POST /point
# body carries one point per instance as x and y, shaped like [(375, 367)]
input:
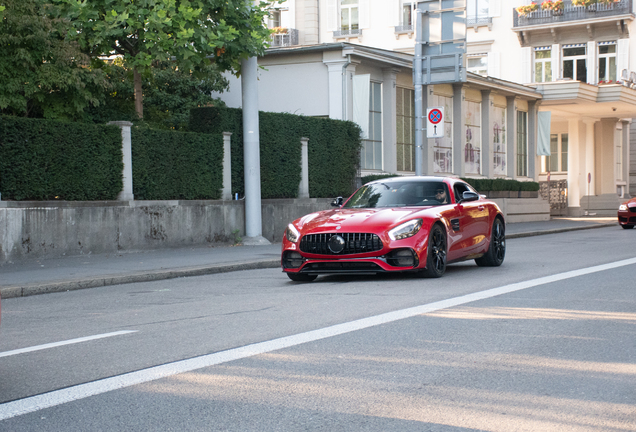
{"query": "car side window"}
[(459, 190)]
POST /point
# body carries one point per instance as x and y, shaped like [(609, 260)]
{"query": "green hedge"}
[(46, 160), (176, 165), (334, 148), (487, 185)]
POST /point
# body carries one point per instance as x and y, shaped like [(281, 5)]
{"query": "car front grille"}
[(354, 243), (632, 209), (341, 267)]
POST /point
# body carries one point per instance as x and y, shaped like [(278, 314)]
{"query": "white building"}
[(352, 59)]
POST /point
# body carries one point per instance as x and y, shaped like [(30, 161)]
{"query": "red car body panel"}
[(468, 227), (627, 217)]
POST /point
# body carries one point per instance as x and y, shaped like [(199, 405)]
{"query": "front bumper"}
[(626, 217), (393, 260)]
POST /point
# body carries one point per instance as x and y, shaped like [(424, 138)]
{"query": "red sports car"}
[(627, 214), (400, 224)]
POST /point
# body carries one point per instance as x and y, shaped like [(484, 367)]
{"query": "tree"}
[(42, 75), (192, 33), (170, 94)]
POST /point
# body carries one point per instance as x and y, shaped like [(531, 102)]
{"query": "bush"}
[(373, 177), (46, 160), (499, 184), (170, 165), (334, 148)]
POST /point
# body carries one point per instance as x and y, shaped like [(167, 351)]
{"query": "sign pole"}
[(417, 84)]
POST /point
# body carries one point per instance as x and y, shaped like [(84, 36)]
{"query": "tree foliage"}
[(41, 74), (189, 32), (170, 94)]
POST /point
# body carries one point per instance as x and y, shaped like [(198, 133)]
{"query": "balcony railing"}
[(572, 13), (347, 33), (290, 38)]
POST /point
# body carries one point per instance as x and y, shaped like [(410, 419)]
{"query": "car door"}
[(467, 223)]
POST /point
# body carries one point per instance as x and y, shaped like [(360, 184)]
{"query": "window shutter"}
[(394, 13), (622, 58), (363, 10), (332, 15), (526, 65), (494, 69), (361, 90), (494, 8)]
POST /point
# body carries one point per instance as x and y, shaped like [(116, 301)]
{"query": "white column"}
[(127, 193), (588, 155), (226, 191), (556, 61), (303, 187), (575, 139), (591, 62), (389, 121)]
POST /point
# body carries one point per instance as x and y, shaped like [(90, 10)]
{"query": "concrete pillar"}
[(486, 134), (576, 136), (532, 139), (458, 130), (303, 187), (226, 191), (127, 193), (591, 62), (389, 121), (626, 157), (588, 155), (511, 136)]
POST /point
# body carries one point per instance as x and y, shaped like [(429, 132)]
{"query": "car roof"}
[(417, 179)]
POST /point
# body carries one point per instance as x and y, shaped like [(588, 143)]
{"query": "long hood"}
[(360, 220)]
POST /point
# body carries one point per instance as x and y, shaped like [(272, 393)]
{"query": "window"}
[(477, 12), (472, 150), (542, 64), (499, 140), (477, 63), (405, 118), (574, 62), (558, 160), (407, 14), (443, 147), (348, 15), (607, 61), (372, 146), (522, 144), (274, 18)]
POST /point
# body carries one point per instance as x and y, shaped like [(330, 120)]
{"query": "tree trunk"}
[(139, 96)]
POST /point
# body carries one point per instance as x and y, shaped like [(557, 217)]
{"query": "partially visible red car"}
[(627, 214), (400, 224)]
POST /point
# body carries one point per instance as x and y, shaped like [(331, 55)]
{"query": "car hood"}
[(360, 220), (630, 203)]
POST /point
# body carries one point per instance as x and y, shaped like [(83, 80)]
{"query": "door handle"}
[(481, 208)]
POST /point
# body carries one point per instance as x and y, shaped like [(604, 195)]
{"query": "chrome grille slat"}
[(355, 243)]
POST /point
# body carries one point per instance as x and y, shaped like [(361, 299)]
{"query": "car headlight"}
[(292, 233), (623, 207), (406, 230)]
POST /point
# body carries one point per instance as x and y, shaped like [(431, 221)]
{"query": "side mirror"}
[(469, 196), (337, 202)]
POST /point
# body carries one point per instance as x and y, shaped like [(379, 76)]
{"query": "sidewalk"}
[(30, 277)]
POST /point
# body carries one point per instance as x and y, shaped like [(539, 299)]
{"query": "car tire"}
[(496, 252), (436, 253), (627, 226), (301, 277)]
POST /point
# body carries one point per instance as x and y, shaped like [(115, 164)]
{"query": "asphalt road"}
[(547, 342)]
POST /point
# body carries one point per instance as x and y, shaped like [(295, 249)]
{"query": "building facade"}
[(541, 101)]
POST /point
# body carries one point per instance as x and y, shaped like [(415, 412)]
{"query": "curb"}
[(559, 230), (13, 291)]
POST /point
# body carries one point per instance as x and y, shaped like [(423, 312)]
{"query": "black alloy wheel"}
[(496, 252), (436, 256)]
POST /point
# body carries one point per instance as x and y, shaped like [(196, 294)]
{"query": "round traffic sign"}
[(435, 116)]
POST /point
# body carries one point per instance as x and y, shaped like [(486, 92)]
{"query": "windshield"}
[(400, 194)]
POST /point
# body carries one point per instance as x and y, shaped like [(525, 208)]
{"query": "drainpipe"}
[(344, 87)]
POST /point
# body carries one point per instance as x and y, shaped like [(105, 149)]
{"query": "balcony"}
[(571, 13), (347, 33), (407, 29), (284, 39)]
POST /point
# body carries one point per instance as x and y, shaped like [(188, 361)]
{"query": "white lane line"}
[(58, 397), (66, 342)]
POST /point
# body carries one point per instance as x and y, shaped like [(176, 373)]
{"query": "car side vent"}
[(354, 243)]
